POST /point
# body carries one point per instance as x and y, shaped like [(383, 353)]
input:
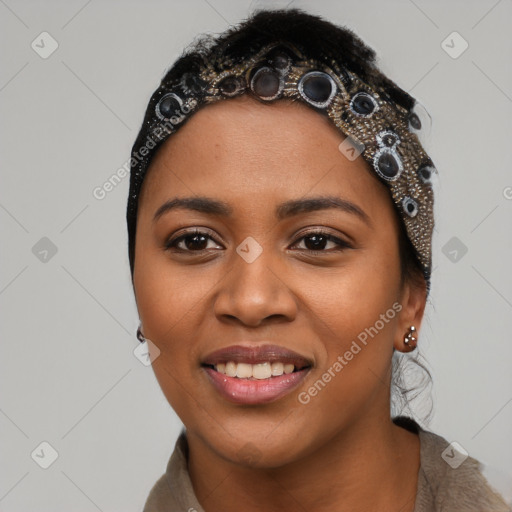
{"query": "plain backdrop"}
[(68, 373)]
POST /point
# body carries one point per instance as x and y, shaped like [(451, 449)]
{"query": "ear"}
[(413, 301)]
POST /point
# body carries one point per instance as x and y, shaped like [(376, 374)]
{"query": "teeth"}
[(243, 370), (277, 369), (288, 368), (230, 369), (256, 371), (261, 371)]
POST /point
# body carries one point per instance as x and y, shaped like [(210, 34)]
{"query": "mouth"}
[(255, 375), (259, 371)]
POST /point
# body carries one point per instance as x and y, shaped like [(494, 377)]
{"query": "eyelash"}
[(170, 244)]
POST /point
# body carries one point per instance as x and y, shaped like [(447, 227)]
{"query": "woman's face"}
[(252, 278)]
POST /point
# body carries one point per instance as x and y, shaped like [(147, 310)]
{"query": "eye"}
[(197, 241), (316, 241), (192, 241)]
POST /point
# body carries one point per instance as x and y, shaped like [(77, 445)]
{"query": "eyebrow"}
[(283, 211)]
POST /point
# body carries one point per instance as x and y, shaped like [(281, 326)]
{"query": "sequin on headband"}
[(385, 133)]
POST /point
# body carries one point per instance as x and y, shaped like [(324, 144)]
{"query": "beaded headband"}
[(383, 132)]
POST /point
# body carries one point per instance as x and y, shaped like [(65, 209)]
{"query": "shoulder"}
[(159, 496), (173, 491), (450, 479)]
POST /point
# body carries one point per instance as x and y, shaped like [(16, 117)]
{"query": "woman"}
[(280, 249)]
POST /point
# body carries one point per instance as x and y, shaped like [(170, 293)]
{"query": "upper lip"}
[(254, 354)]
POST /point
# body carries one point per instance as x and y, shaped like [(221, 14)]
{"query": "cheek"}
[(168, 301), (172, 301), (352, 298), (355, 312), (356, 320), (354, 368)]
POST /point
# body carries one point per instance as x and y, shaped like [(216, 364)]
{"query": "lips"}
[(251, 375), (256, 355)]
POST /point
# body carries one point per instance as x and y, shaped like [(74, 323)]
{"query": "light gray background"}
[(68, 374)]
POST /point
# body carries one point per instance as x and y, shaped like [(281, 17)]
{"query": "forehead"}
[(241, 147)]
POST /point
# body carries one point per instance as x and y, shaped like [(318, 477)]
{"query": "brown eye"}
[(318, 240), (194, 241)]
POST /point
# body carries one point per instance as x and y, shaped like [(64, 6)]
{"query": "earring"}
[(140, 336), (410, 340)]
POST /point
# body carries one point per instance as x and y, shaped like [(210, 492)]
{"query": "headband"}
[(377, 126)]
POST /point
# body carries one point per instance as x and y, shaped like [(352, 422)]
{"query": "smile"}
[(255, 375)]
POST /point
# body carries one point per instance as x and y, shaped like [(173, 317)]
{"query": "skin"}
[(340, 451)]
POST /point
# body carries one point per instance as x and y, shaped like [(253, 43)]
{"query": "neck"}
[(369, 466)]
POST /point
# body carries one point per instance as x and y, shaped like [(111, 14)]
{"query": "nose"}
[(255, 293)]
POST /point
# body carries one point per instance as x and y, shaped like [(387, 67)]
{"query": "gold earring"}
[(410, 340)]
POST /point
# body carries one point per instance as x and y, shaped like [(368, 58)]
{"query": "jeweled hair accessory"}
[(384, 132)]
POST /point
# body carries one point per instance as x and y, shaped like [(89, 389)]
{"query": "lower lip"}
[(251, 392)]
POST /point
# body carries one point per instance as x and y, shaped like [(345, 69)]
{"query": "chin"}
[(255, 445), (257, 454)]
